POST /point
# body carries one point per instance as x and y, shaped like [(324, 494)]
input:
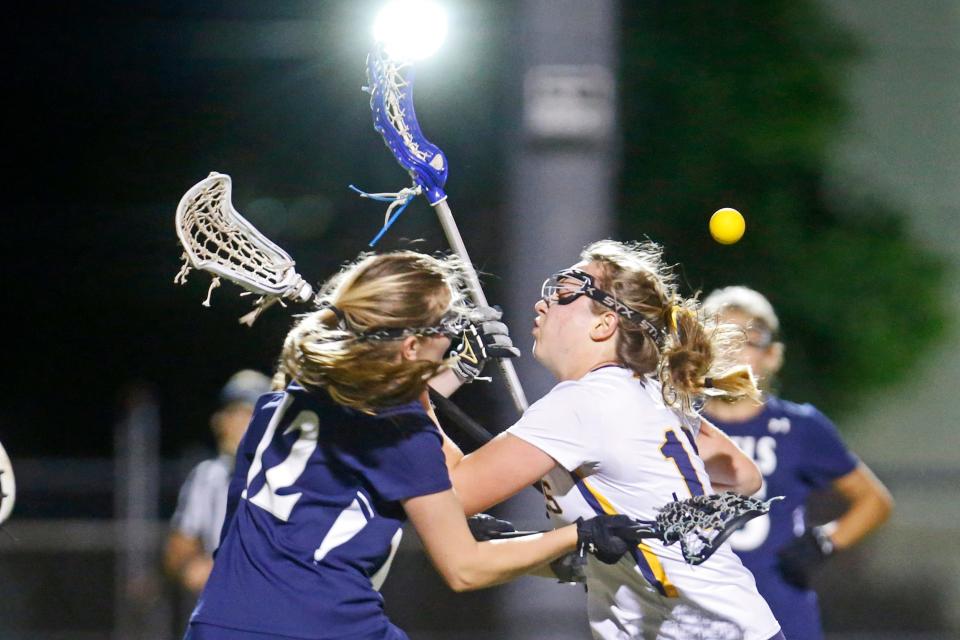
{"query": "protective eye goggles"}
[(759, 337), (564, 287)]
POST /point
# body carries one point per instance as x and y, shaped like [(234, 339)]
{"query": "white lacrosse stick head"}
[(8, 487), (217, 239)]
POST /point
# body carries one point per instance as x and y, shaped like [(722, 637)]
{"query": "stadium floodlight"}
[(410, 29)]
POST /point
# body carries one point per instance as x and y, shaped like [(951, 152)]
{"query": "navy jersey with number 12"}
[(314, 516)]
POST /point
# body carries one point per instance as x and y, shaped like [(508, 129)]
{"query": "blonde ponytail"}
[(690, 358)]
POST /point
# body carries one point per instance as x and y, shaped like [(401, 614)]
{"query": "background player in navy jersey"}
[(798, 450), (329, 469)]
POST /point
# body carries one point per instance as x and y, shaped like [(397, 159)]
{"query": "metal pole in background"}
[(563, 165), (140, 606)]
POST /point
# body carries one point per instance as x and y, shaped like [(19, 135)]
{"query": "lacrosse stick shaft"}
[(503, 535), (452, 232), (464, 430)]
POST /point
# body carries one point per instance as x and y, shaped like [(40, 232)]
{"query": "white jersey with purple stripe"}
[(314, 515), (620, 449)]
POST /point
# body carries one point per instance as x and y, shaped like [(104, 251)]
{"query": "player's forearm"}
[(480, 488), (729, 468), (445, 383), (195, 574), (186, 562), (179, 551), (500, 561), (720, 487), (863, 516), (869, 506), (498, 470), (732, 472), (543, 571)]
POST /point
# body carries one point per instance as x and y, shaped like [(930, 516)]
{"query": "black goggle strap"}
[(452, 328), (609, 301), (341, 318)]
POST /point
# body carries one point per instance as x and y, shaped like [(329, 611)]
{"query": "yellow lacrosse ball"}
[(727, 225)]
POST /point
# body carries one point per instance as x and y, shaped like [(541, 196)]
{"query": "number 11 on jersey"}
[(673, 450)]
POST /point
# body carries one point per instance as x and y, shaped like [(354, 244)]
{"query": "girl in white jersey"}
[(618, 434)]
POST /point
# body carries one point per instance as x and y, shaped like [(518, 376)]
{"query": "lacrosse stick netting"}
[(701, 523), (390, 84), (217, 239)]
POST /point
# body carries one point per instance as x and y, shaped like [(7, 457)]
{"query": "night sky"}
[(114, 110)]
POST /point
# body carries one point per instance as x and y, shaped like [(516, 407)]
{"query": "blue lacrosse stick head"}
[(394, 118)]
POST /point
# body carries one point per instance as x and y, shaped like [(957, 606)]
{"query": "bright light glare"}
[(410, 29)]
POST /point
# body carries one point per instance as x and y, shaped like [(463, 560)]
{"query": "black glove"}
[(799, 558), (607, 537), (484, 337), (486, 527)]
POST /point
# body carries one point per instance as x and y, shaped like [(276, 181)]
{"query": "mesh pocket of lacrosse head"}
[(702, 523), (394, 117), (218, 239)]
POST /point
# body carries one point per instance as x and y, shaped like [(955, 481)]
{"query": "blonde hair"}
[(691, 358), (327, 348)]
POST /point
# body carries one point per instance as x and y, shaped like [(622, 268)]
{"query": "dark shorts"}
[(198, 631)]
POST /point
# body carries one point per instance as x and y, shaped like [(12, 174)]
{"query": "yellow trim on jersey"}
[(605, 504), (658, 571)]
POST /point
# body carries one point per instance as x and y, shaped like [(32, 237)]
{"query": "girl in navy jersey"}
[(330, 468), (798, 450), (619, 434)]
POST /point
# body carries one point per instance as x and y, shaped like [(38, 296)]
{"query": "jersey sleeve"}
[(826, 456), (410, 465), (553, 424)]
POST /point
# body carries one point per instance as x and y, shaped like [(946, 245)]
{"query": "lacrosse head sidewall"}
[(8, 486), (290, 282), (184, 205), (429, 172)]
